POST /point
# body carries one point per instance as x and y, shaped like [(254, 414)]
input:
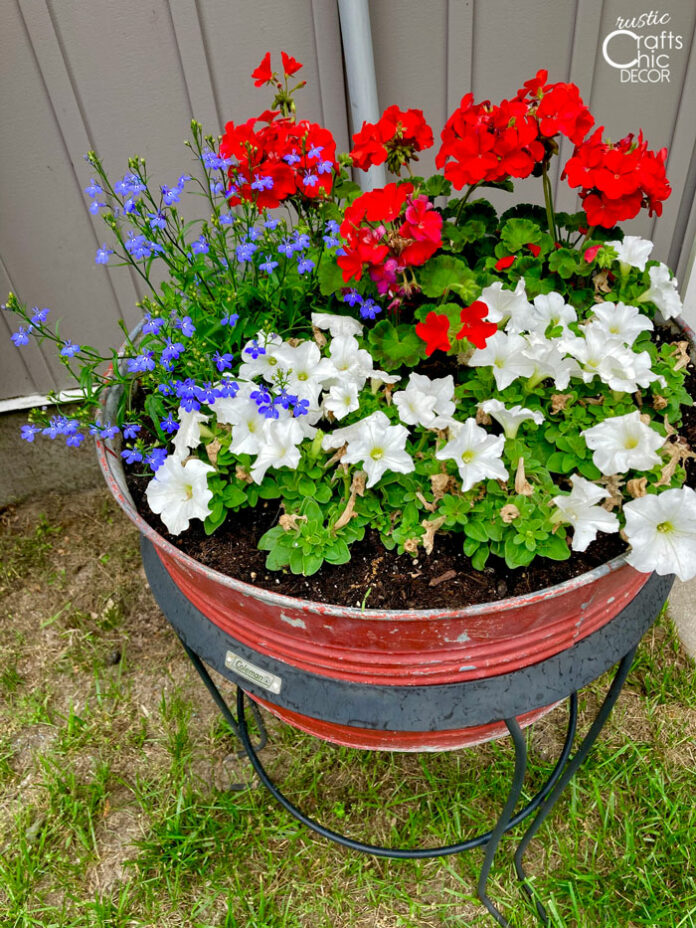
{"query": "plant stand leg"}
[(520, 743), (541, 804), (574, 764), (219, 701)]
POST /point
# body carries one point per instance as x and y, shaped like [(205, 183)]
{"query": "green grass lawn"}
[(115, 806)]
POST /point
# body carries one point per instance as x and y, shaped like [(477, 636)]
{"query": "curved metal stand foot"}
[(406, 853), (574, 764)]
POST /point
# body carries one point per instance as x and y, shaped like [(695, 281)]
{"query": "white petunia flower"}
[(511, 418), (620, 321), (442, 388), (259, 357), (661, 530), (476, 454), (580, 510), (663, 292), (551, 309), (623, 443), (547, 356), (337, 325), (179, 492), (342, 398), (426, 402), (415, 407), (278, 447), (504, 354), (634, 251), (246, 421), (304, 370), (605, 356), (379, 447), (504, 305), (188, 435), (592, 350), (625, 370), (338, 437), (350, 361)]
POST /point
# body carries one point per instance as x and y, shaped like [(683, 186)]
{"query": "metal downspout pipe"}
[(356, 38)]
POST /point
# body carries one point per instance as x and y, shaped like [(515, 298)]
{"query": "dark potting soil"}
[(380, 579)]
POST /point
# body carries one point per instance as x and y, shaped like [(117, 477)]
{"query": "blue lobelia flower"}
[(69, 350), (130, 430), (21, 336), (29, 432)]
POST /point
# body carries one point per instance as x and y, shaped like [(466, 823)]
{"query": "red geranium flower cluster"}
[(435, 331), (618, 179), (557, 108), (278, 160), (396, 138), (481, 142), (386, 231)]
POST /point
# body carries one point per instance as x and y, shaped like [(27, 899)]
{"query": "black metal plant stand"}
[(498, 698)]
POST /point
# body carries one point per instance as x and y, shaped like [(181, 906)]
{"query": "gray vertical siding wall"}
[(126, 77)]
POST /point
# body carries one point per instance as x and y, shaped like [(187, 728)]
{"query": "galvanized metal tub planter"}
[(408, 680)]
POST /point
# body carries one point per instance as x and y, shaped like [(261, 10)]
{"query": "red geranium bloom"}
[(591, 253), (434, 332), (290, 65), (475, 329), (367, 148), (535, 249), (617, 179), (263, 74), (396, 138), (504, 263)]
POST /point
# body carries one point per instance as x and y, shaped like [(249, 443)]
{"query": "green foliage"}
[(310, 541), (395, 345)]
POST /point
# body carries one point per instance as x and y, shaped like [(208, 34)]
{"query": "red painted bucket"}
[(392, 648)]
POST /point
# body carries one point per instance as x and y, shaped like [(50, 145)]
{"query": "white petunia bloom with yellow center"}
[(179, 492), (351, 362), (603, 355), (548, 358), (504, 355), (661, 530), (618, 320), (379, 446), (259, 357), (622, 443), (303, 369), (341, 399), (476, 454), (511, 418), (579, 508)]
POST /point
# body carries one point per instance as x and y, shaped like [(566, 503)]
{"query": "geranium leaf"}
[(393, 345), (516, 233)]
